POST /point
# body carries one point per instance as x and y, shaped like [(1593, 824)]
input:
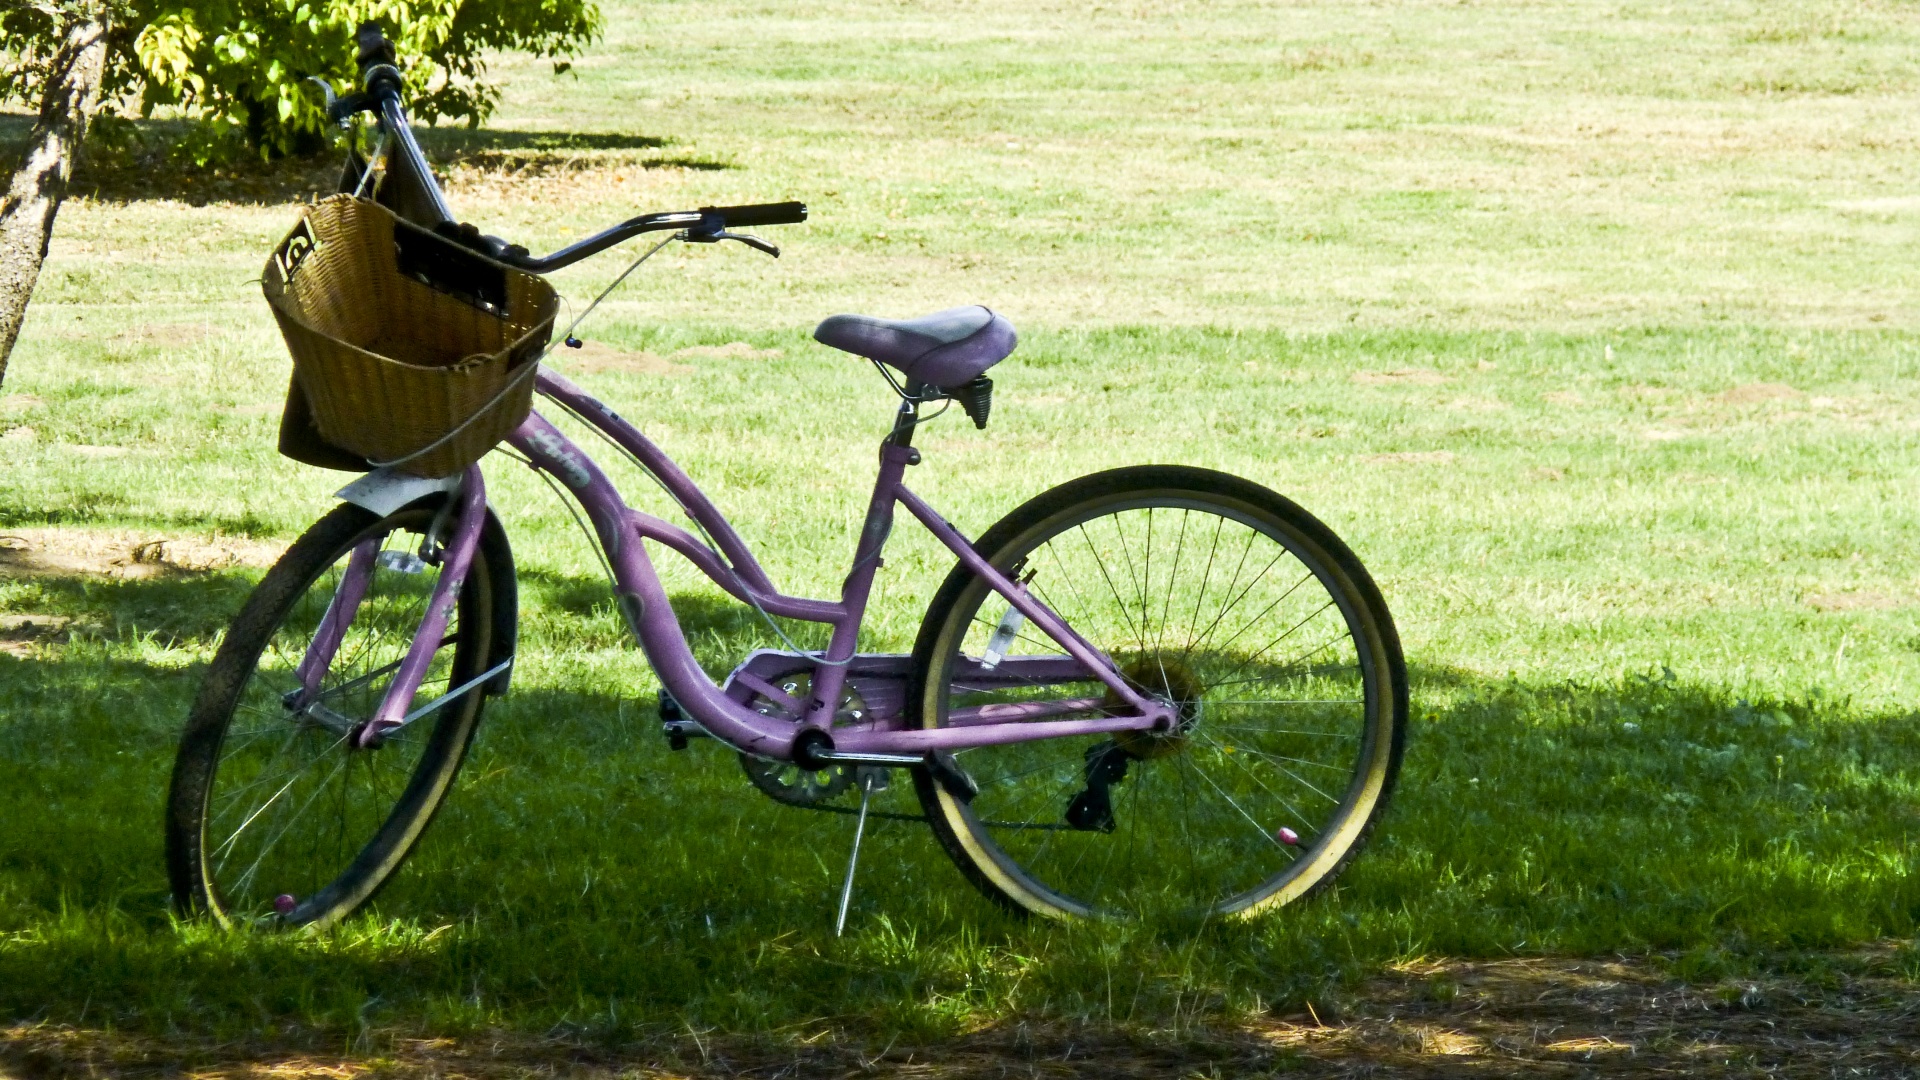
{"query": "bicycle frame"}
[(644, 602), (649, 614)]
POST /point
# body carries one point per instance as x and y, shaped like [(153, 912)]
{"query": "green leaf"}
[(237, 64)]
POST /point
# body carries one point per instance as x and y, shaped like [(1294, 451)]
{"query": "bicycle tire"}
[(243, 680), (1024, 839)]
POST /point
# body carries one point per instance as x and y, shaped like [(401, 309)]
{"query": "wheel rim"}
[(1262, 644), (299, 819)]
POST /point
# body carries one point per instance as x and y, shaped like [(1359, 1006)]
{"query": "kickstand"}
[(871, 780)]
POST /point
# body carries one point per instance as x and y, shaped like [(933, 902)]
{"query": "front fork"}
[(395, 710)]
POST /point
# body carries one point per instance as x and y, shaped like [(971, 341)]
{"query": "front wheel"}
[(1215, 595), (276, 815)]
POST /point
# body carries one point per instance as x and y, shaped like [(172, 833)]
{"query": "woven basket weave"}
[(400, 337)]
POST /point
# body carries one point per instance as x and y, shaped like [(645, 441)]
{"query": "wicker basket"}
[(409, 350)]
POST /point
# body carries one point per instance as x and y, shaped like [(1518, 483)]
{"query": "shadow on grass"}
[(472, 141), (719, 629), (94, 508), (190, 608), (1466, 1019), (585, 876), (142, 160), (110, 509), (174, 609)]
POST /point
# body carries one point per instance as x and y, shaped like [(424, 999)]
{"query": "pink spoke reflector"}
[(285, 903), (1287, 836)]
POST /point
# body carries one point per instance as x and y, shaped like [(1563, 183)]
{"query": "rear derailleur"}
[(1092, 809)]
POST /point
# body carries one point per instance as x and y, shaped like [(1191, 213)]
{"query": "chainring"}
[(785, 782)]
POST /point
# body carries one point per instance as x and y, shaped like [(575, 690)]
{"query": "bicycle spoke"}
[(1141, 583), (1281, 731), (1275, 757), (1251, 623), (292, 803), (1193, 617), (1233, 702), (1081, 609), (1180, 546), (1196, 615), (1294, 776), (246, 879), (263, 808), (1277, 797), (1259, 829), (1123, 811), (1111, 588), (1242, 666), (1245, 550), (1269, 678)]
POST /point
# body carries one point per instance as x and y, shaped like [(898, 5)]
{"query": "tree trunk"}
[(72, 93)]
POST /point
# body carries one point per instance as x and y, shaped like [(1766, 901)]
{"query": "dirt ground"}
[(1535, 1017), (119, 553), (111, 554)]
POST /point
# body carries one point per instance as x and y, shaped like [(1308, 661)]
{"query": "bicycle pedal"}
[(951, 778), (675, 726), (677, 732)]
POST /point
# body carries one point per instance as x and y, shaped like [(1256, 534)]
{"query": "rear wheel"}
[(276, 815), (1210, 593)]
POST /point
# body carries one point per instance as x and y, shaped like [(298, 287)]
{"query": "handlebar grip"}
[(746, 217)]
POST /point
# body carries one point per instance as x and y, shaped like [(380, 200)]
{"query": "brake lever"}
[(340, 110), (715, 236), (328, 97)]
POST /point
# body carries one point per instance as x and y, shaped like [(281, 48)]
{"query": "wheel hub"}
[(1169, 681)]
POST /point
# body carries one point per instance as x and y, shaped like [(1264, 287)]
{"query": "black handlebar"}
[(706, 223), (382, 94)]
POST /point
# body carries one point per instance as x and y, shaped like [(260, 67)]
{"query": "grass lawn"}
[(1590, 327)]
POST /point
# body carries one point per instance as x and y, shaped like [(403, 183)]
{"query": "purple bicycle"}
[(1150, 689)]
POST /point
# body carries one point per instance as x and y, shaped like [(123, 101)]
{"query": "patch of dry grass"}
[(1507, 1018), (118, 553)]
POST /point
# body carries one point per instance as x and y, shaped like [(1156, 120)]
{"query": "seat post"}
[(904, 421)]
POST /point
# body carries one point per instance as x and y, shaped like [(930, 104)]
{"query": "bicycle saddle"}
[(946, 349)]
